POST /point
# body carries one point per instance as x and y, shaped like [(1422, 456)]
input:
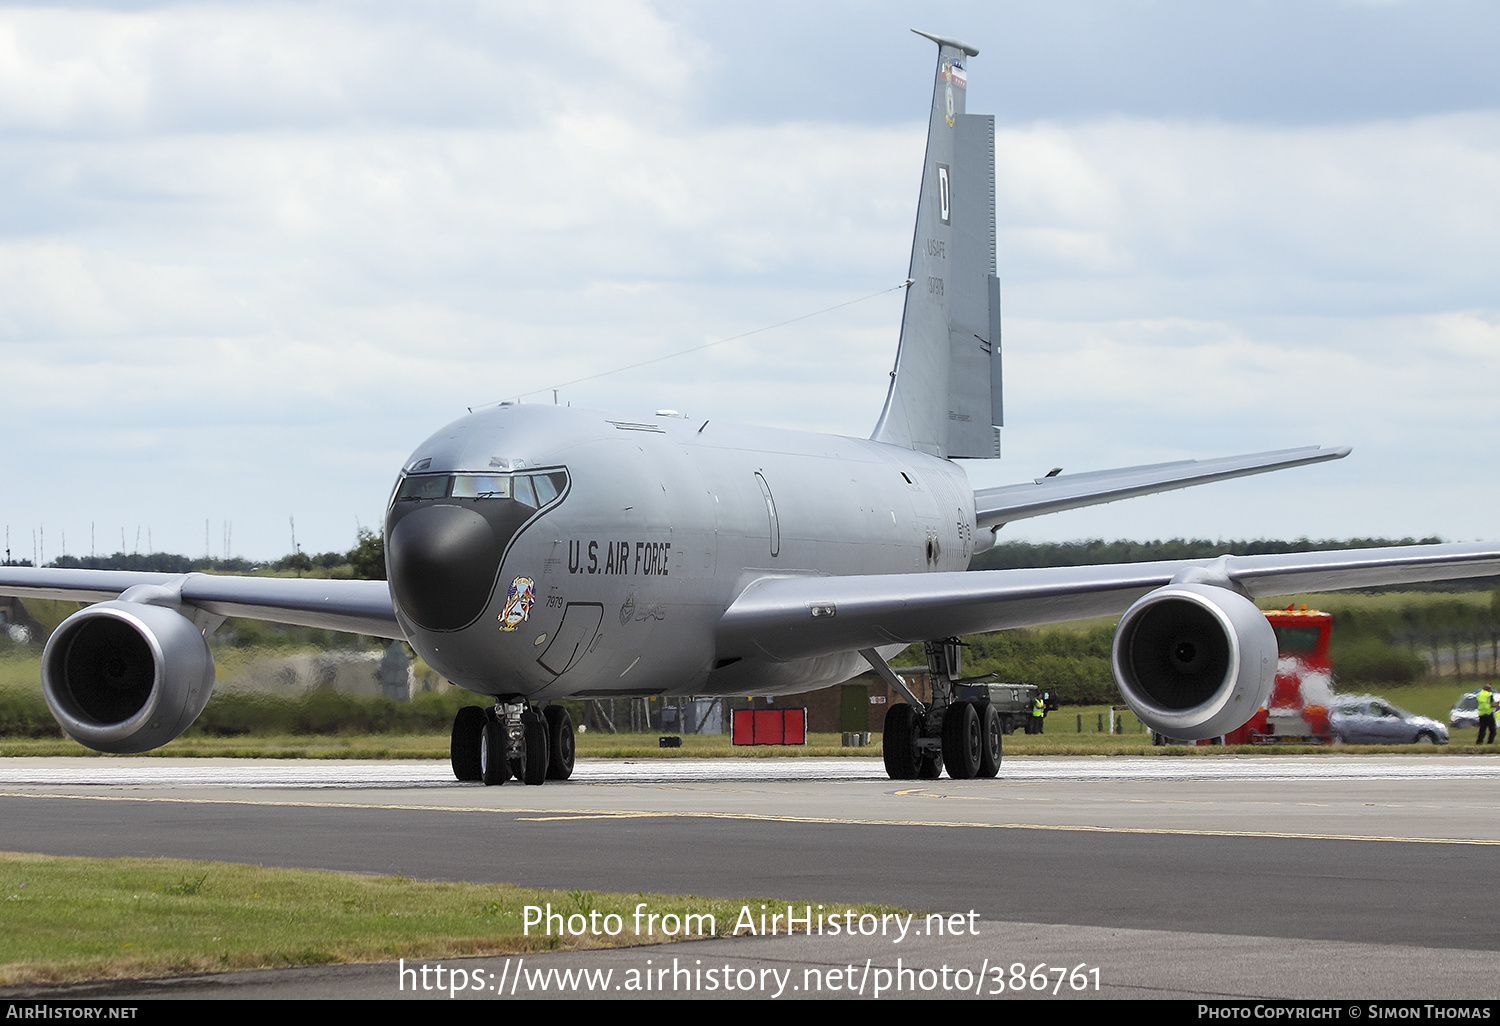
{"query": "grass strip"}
[(436, 745), (432, 747), (76, 919)]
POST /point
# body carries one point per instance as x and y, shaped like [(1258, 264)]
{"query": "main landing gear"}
[(512, 739), (959, 728)]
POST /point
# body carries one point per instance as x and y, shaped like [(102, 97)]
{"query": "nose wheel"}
[(512, 740), (530, 764), (463, 750), (494, 767), (559, 742)]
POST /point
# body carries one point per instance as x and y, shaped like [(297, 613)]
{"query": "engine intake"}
[(125, 677), (1193, 660)]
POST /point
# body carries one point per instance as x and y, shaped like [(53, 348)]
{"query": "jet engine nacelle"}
[(1194, 660), (125, 677)]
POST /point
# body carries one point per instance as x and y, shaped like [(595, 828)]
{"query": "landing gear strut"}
[(958, 728), (512, 739)]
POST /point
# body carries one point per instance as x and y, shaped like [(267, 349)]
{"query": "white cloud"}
[(250, 256), (1335, 219), (190, 67)]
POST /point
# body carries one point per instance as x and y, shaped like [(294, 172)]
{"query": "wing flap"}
[(785, 618), (995, 507)]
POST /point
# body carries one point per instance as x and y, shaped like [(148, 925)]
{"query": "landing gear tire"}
[(534, 757), (992, 734), (931, 766), (898, 743), (494, 768), (559, 742), (463, 749), (963, 740)]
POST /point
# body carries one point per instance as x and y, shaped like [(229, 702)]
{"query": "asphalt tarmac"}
[(1206, 877)]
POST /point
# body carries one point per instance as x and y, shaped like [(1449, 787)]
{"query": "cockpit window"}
[(481, 486), (423, 486), (523, 492), (547, 486), (534, 490)]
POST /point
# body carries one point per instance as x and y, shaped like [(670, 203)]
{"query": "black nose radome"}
[(443, 561)]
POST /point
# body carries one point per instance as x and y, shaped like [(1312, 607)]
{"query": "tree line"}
[(1012, 555), (365, 561)]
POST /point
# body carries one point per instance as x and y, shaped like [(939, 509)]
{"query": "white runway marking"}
[(341, 774)]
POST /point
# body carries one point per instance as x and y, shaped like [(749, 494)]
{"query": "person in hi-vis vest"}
[(1485, 696)]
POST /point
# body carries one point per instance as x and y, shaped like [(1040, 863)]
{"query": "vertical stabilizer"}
[(944, 397)]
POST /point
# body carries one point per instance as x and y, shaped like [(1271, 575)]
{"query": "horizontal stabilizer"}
[(995, 507)]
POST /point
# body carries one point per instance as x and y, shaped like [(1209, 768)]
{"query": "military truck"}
[(1013, 701)]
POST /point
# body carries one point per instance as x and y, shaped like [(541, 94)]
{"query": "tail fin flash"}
[(944, 396)]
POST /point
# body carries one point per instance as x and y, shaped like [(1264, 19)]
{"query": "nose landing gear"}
[(512, 739)]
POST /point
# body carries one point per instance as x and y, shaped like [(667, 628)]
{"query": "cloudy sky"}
[(251, 254)]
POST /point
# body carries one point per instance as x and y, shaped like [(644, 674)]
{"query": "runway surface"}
[(1175, 876)]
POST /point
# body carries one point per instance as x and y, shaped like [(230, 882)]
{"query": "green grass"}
[(287, 746), (435, 746), (21, 672), (1329, 601), (85, 919), (431, 746), (715, 746), (1061, 738)]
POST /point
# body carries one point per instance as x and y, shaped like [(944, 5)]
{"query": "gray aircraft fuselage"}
[(547, 552)]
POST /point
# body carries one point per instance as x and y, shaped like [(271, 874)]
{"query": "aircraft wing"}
[(359, 607), (786, 618), (995, 507)]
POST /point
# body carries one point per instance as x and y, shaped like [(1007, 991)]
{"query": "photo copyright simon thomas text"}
[(657, 975), (1342, 1010)]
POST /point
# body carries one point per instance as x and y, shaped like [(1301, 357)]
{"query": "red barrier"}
[(768, 727)]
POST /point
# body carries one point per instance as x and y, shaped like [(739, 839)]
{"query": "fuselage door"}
[(765, 490), (580, 623)]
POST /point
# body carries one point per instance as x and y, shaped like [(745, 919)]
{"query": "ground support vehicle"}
[(1465, 711), (1012, 701), (1369, 720), (1298, 710)]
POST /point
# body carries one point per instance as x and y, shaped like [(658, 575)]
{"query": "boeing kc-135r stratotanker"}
[(538, 553)]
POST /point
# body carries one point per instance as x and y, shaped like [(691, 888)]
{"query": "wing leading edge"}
[(785, 618), (359, 607), (996, 507)]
